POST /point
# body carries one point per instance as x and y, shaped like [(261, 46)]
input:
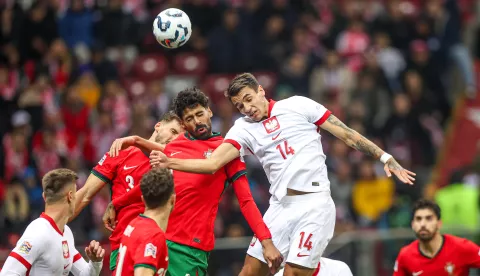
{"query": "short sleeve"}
[(106, 168), (398, 267), (150, 253), (472, 253), (314, 112), (236, 137), (235, 169), (29, 248)]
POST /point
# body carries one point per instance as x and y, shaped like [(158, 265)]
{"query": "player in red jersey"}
[(433, 253), (190, 235), (143, 249), (123, 172)]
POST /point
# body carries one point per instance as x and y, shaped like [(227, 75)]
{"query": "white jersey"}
[(287, 144), (328, 267), (44, 250)]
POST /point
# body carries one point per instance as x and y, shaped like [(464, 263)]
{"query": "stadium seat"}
[(190, 64), (215, 85), (135, 87), (150, 67), (268, 81)]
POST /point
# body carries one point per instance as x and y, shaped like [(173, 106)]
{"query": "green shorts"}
[(113, 259), (183, 260)]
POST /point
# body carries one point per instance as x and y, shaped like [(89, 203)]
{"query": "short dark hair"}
[(239, 82), (189, 98), (55, 181), (169, 116), (156, 187), (426, 204)]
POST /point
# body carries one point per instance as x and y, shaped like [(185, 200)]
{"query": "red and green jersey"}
[(123, 173), (143, 244), (198, 195)]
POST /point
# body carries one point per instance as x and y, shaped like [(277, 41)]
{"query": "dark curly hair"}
[(156, 187), (426, 204), (189, 98)]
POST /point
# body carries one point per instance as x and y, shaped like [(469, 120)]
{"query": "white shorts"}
[(301, 227), (328, 267)]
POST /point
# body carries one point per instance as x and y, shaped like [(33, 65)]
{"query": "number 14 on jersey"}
[(285, 149)]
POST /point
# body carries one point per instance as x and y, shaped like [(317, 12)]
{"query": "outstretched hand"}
[(392, 166), (121, 144), (158, 159)]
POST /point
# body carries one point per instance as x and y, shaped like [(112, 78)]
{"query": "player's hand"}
[(95, 252), (158, 159), (109, 217), (273, 257), (392, 166), (120, 144)]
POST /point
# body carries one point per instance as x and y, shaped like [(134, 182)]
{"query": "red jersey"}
[(123, 173), (456, 257), (198, 195), (143, 243)]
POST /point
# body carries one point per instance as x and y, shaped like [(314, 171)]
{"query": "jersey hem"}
[(146, 266)]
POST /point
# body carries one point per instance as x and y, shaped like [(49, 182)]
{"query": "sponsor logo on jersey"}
[(208, 153), (150, 250), (271, 124), (102, 160), (25, 247), (66, 251), (450, 268)]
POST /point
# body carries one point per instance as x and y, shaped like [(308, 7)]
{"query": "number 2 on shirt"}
[(286, 150)]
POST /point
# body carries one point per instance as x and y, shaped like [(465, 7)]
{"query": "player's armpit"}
[(249, 209), (144, 270), (83, 196), (220, 157)]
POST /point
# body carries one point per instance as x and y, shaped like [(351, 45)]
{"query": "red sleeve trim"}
[(323, 118), (234, 143), (77, 257), (21, 260)]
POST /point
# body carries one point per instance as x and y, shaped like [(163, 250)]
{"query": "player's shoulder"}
[(291, 102), (458, 241), (40, 228), (409, 249)]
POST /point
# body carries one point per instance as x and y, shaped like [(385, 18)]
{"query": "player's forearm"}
[(354, 139), (206, 166), (250, 210), (86, 193), (82, 268), (147, 145)]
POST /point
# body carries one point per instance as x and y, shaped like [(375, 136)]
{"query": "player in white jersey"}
[(328, 267), (285, 137), (47, 246)]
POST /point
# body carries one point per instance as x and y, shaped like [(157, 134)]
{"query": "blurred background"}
[(76, 74)]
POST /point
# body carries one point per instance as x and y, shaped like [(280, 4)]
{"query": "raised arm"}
[(360, 143), (83, 196), (143, 144), (225, 153)]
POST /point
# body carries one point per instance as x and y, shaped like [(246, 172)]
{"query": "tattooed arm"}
[(360, 143)]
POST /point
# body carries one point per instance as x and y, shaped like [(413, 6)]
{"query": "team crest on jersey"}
[(66, 251), (25, 247), (450, 268), (102, 160), (150, 250), (271, 124), (208, 153)]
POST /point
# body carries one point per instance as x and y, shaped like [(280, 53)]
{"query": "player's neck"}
[(159, 215), (59, 214), (432, 247)]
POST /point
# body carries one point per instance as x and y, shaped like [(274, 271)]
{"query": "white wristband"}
[(385, 157)]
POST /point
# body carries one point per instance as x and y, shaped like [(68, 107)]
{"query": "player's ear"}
[(210, 113), (172, 200), (44, 198), (158, 125), (260, 90), (143, 201)]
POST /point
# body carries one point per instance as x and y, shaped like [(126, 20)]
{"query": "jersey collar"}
[(190, 137), (436, 254), (271, 103), (52, 222)]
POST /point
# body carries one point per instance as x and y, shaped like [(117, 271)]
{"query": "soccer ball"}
[(172, 28)]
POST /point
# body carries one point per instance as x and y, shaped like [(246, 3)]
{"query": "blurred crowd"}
[(76, 74)]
